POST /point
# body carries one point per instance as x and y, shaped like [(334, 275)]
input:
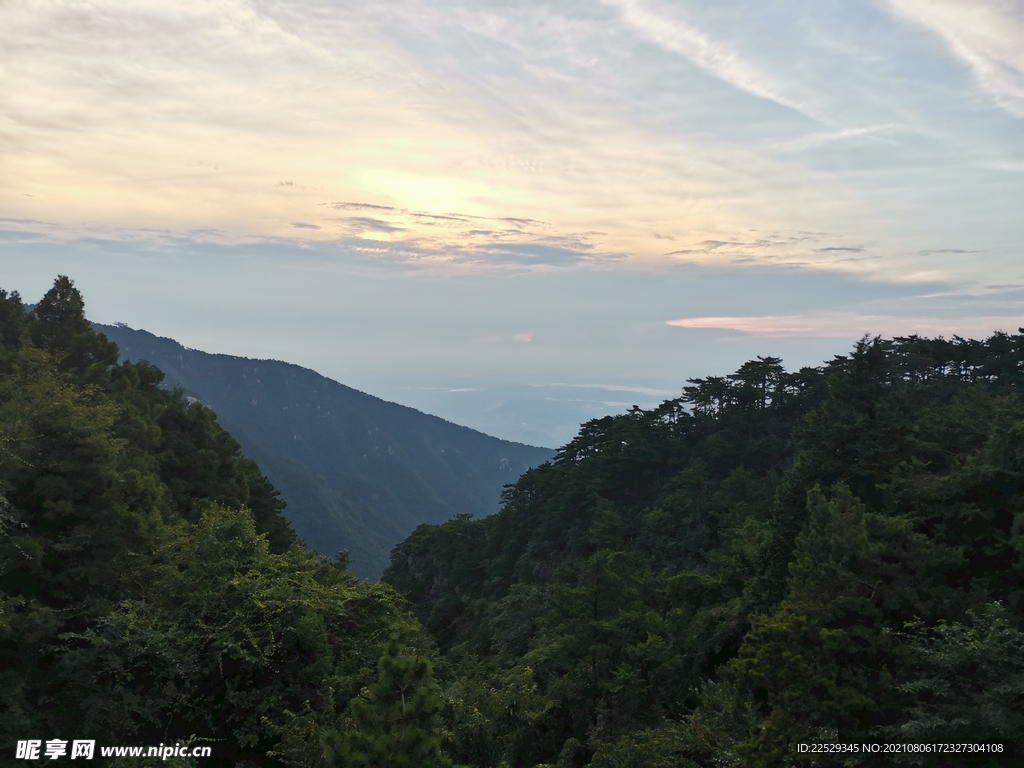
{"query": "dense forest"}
[(358, 473), (151, 592), (773, 558)]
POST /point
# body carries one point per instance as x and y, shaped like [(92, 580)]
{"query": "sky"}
[(518, 216)]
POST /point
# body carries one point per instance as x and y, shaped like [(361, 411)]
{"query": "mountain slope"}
[(358, 473), (773, 558)]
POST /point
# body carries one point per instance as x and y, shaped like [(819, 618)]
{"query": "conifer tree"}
[(63, 329), (394, 720)]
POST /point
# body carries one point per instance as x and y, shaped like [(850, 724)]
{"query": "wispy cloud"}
[(452, 238), (987, 34), (360, 224), (542, 135), (359, 207), (649, 391), (823, 138), (801, 248), (711, 55), (851, 325), (425, 254)]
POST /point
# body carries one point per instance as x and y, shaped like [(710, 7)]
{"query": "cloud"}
[(708, 54), (517, 136), (522, 337), (517, 256), (245, 116), (851, 325), (16, 236), (649, 391), (824, 138), (361, 242), (986, 34), (795, 248), (714, 245), (362, 223), (451, 238), (359, 207)]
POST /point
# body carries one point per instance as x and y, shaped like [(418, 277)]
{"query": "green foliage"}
[(967, 679), (773, 558), (359, 473), (62, 329), (822, 661), (233, 644), (663, 747), (717, 579), (150, 591), (393, 721)]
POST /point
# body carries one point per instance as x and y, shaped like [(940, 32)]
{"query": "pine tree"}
[(394, 719), (63, 329)]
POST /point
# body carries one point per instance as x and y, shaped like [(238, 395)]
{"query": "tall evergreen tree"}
[(394, 720)]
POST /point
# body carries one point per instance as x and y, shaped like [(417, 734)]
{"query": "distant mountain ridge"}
[(358, 473)]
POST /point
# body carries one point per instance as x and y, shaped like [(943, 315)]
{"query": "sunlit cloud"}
[(629, 134), (851, 325), (249, 119)]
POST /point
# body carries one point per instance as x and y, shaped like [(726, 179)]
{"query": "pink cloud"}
[(852, 325)]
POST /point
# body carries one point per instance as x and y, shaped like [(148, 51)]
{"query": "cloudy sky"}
[(518, 215)]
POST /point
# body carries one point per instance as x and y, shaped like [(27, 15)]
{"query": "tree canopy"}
[(773, 557), (150, 590)]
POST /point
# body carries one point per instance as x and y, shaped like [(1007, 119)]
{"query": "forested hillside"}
[(774, 558), (358, 473), (150, 591)]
